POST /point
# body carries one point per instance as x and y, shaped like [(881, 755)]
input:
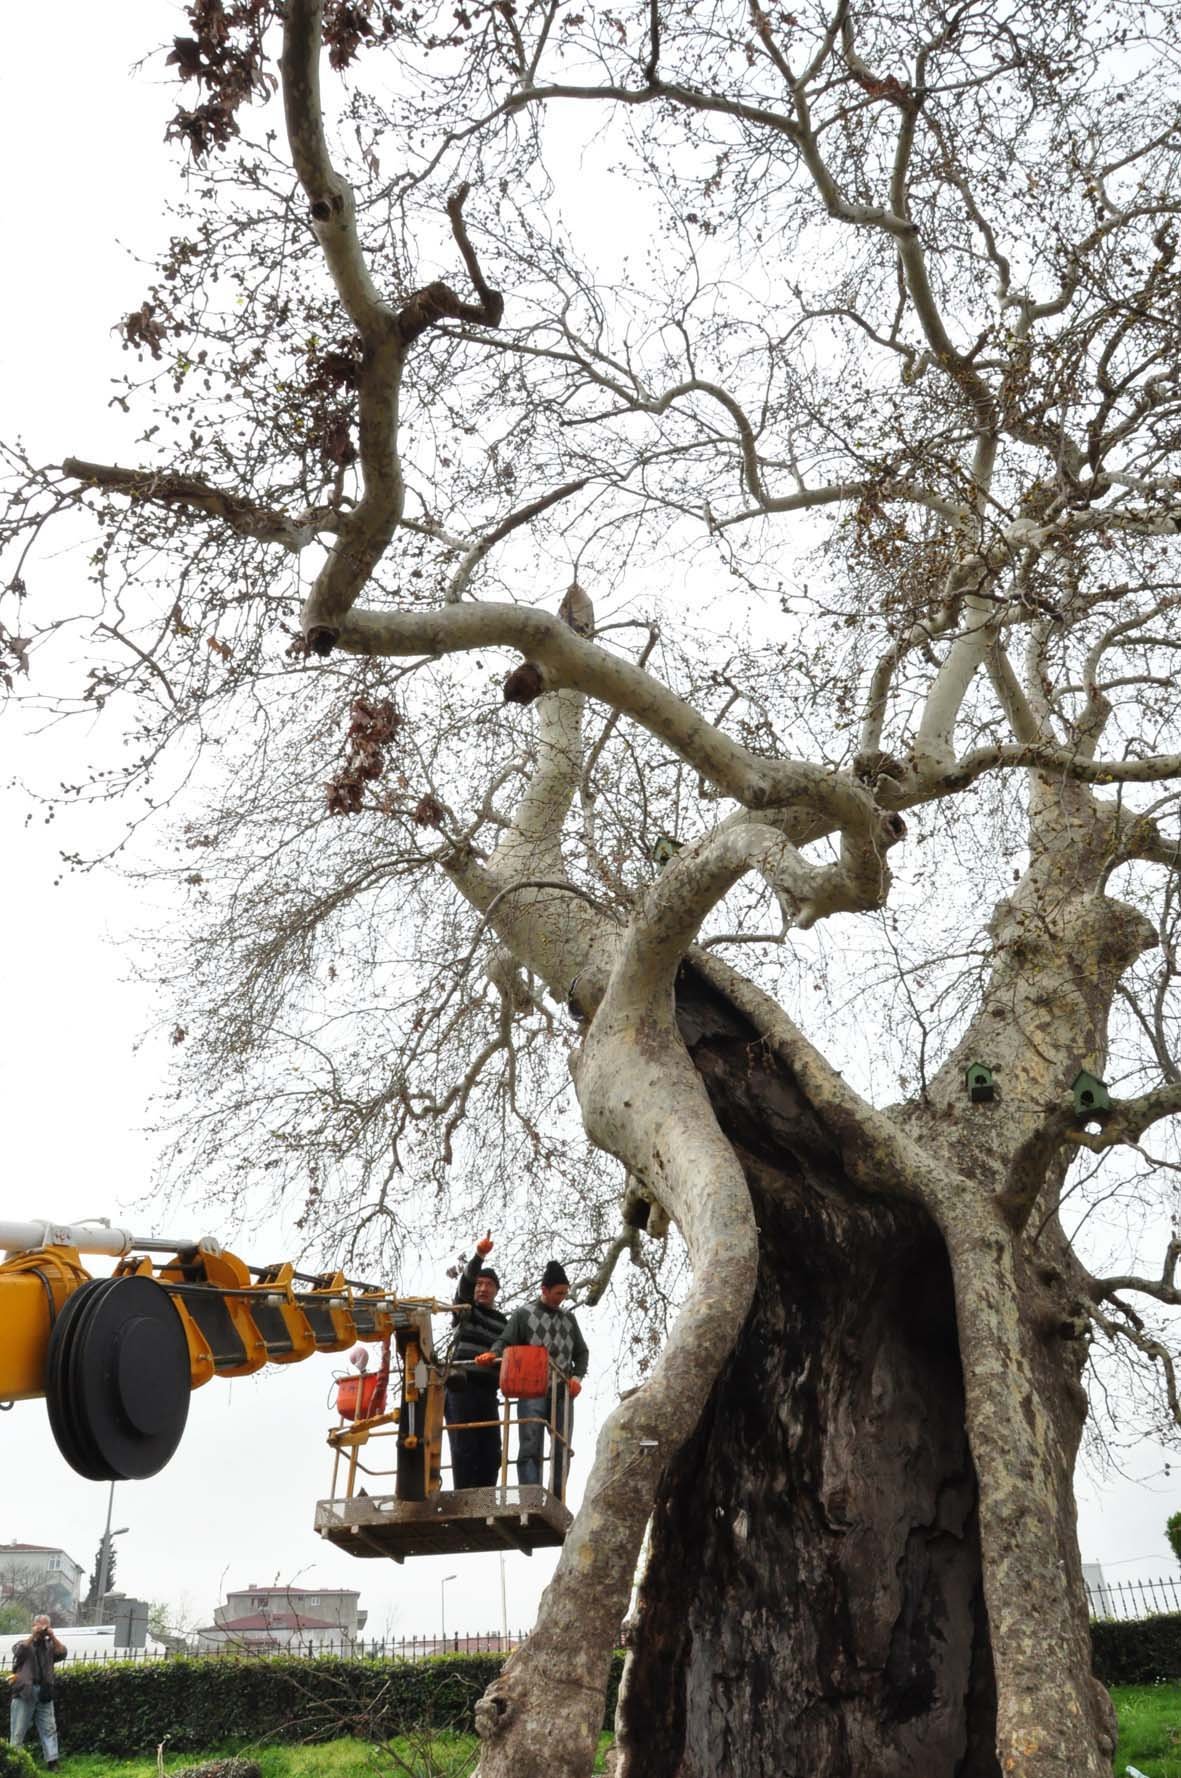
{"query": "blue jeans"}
[(22, 1715), (534, 1413)]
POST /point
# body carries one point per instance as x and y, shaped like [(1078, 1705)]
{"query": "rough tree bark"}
[(813, 1599)]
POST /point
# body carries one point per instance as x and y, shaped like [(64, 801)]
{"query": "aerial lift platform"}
[(418, 1516)]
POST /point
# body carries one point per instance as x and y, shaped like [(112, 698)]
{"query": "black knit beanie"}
[(487, 1272), (553, 1274)]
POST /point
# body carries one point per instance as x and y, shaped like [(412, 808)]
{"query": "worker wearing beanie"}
[(546, 1323)]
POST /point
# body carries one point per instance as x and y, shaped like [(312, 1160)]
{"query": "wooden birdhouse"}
[(981, 1085), (1091, 1096), (664, 848)]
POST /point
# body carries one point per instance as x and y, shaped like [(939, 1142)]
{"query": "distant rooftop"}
[(36, 1549), (284, 1592)]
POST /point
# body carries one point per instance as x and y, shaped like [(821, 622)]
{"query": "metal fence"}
[(1110, 1599), (401, 1648), (1133, 1598)]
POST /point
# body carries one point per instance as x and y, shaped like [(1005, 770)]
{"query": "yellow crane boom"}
[(117, 1357)]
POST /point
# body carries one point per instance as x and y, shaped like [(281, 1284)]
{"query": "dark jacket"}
[(32, 1664), (556, 1329), (478, 1330)]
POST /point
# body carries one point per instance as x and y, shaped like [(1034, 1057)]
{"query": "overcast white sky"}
[(237, 1503), (88, 169)]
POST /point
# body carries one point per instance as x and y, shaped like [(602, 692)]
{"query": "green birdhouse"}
[(978, 1078), (664, 848), (1090, 1094)]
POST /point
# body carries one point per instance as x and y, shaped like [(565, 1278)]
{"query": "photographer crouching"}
[(31, 1680)]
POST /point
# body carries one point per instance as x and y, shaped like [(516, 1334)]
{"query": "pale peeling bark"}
[(935, 741), (642, 1100), (533, 843), (825, 799), (1061, 948), (646, 1103), (1024, 1454), (365, 531), (555, 933)]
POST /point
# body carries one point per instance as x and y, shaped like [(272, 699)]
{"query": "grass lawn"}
[(1149, 1721), (443, 1756), (1149, 1729)]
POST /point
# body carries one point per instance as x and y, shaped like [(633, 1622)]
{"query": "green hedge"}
[(1137, 1653), (127, 1708)]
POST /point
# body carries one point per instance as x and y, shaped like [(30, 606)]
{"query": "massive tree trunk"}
[(813, 1601)]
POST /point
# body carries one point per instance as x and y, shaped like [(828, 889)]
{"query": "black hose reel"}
[(118, 1379)]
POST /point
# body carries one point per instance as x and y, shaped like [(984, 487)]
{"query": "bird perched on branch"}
[(577, 610)]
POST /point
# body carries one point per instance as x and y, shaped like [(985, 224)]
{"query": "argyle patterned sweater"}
[(555, 1329)]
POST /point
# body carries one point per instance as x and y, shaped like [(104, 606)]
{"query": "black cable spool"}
[(117, 1379)]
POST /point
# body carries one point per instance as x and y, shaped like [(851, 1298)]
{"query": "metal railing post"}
[(510, 1420), (552, 1426)]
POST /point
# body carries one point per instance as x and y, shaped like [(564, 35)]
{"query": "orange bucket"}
[(524, 1371), (355, 1396)]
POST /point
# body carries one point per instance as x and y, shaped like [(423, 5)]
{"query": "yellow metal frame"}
[(280, 1282), (35, 1286)]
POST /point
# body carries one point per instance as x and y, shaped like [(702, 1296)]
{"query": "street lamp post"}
[(443, 1608), (104, 1562)]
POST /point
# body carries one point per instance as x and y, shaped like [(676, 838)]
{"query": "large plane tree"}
[(788, 402)]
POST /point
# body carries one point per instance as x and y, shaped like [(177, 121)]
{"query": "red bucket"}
[(524, 1371), (355, 1396)]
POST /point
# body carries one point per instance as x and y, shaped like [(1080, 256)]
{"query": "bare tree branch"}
[(244, 516)]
